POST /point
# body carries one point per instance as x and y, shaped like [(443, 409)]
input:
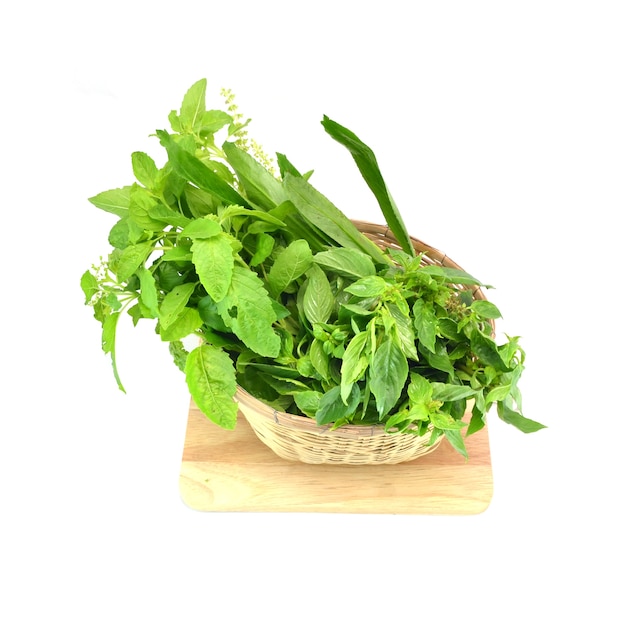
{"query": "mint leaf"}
[(210, 376)]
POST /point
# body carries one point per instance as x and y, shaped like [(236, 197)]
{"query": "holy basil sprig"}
[(285, 297)]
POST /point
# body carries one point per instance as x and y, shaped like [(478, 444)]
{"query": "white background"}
[(500, 129)]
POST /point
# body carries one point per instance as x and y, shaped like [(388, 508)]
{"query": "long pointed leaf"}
[(318, 210), (368, 166), (196, 172), (260, 186)]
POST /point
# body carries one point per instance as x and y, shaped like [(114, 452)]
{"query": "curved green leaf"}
[(210, 376), (388, 373), (368, 166)]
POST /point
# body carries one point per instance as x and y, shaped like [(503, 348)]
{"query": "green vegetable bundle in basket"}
[(340, 341)]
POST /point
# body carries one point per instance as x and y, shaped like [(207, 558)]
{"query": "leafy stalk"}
[(368, 166)]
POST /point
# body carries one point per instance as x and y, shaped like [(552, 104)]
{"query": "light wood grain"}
[(233, 471)]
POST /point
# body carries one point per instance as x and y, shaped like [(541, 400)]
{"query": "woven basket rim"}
[(308, 424), (280, 420)]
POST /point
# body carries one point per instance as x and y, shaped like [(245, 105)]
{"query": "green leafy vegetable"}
[(287, 298)]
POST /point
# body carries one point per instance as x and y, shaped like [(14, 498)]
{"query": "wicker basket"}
[(299, 438)]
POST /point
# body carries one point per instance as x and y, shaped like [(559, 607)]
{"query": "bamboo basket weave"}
[(299, 438)]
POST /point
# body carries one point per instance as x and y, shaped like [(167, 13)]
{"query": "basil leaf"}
[(486, 309), (142, 203), (308, 402), (368, 287), (354, 363), (318, 301), (174, 303), (319, 359), (516, 419), (425, 322), (193, 106), (451, 393), (148, 291), (498, 394), (451, 275), (163, 214), (285, 166), (387, 375), (202, 228), (403, 330), (260, 186), (211, 380), (131, 259), (144, 168), (486, 350), (247, 309), (368, 166), (318, 210), (332, 408), (346, 262), (214, 262), (444, 421), (90, 286), (114, 201), (184, 325), (109, 328), (212, 121), (193, 170), (477, 422), (264, 245), (456, 439), (289, 265)]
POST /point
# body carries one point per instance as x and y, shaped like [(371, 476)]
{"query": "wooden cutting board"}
[(233, 471)]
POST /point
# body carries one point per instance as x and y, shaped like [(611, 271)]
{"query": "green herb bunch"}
[(288, 299)]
